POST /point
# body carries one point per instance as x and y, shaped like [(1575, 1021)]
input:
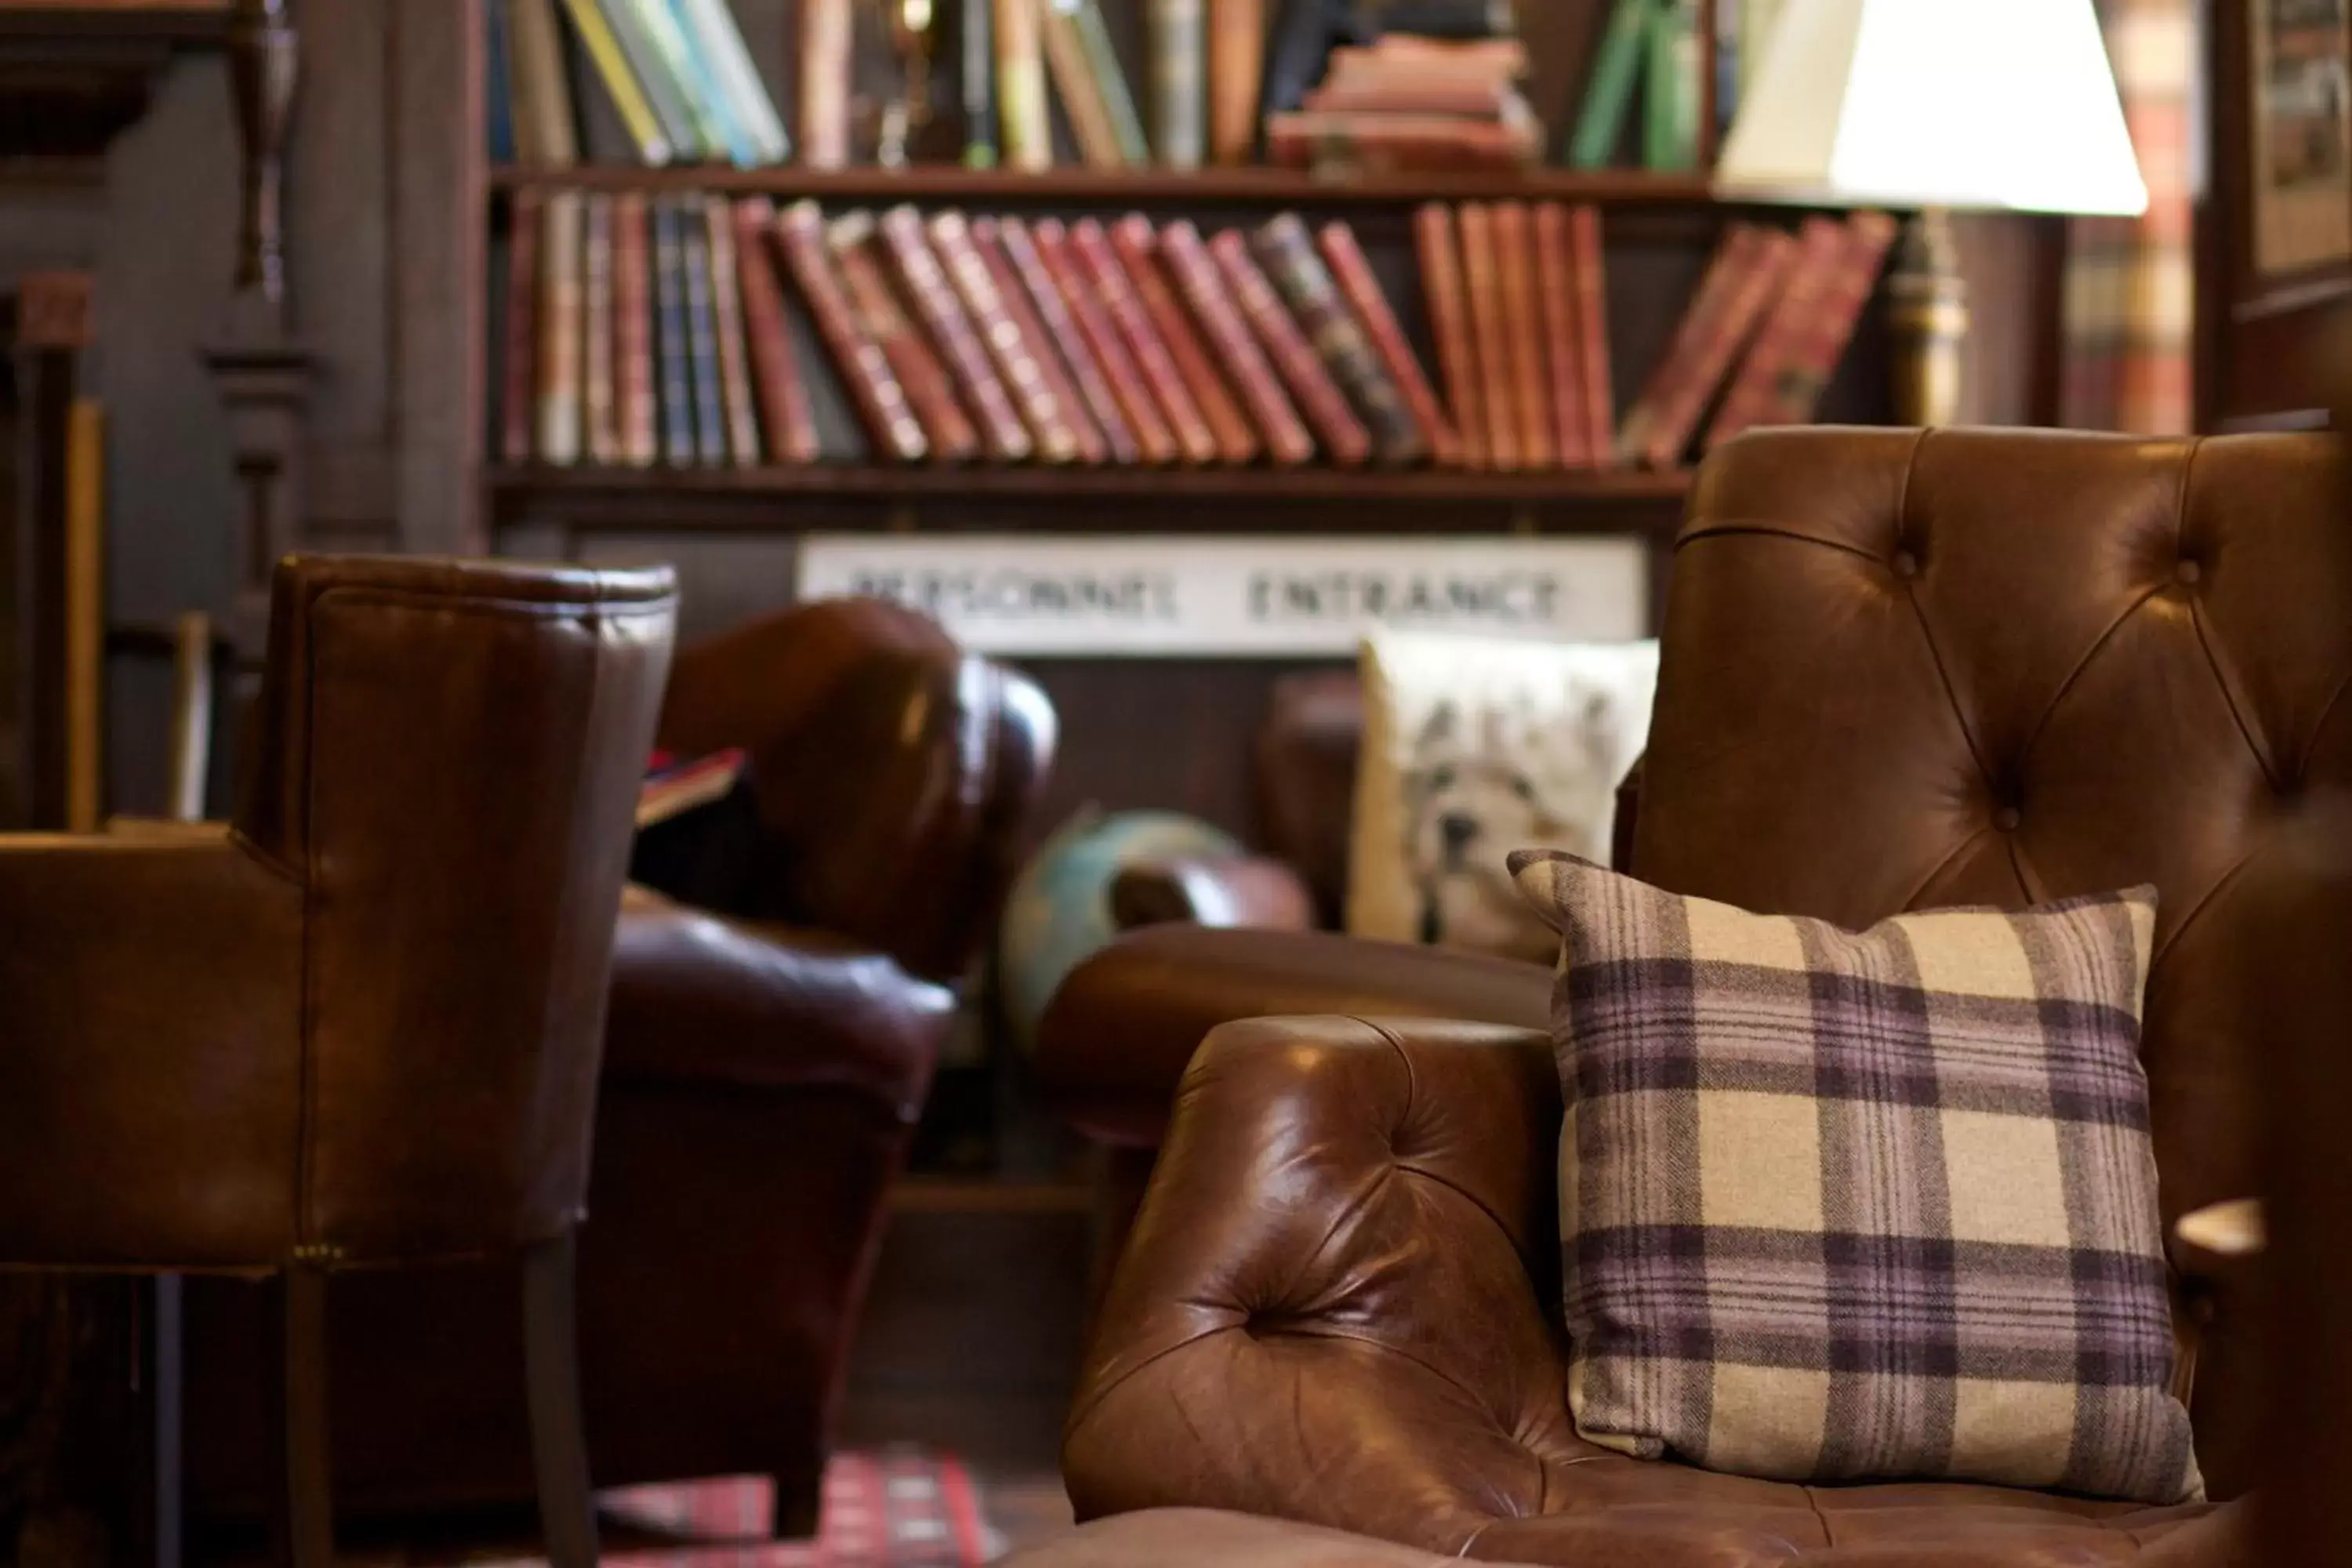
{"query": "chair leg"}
[(558, 1441), (304, 1515)]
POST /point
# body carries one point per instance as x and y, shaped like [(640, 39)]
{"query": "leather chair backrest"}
[(447, 758), (1307, 748), (1906, 670), (881, 753)]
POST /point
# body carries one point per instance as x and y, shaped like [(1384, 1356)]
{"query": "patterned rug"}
[(901, 1508)]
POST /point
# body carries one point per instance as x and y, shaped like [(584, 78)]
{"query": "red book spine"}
[(1514, 254), (783, 398), (924, 379), (560, 406), (1051, 418), (1449, 316), (954, 336), (1092, 249), (1556, 284), (1095, 445), (1099, 336), (1203, 287), (734, 352), (1012, 251), (1699, 318), (1748, 291), (1353, 273), (1137, 248), (1756, 386), (1592, 269), (1870, 236), (597, 385), (890, 423), (632, 329), (519, 398), (1482, 271), (1344, 435)]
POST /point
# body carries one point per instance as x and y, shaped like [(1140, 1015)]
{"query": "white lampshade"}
[(1989, 104)]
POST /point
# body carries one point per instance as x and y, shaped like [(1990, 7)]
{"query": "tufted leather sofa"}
[(766, 1057), (1901, 671)]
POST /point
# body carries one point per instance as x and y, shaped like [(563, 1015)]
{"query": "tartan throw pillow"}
[(1839, 1206)]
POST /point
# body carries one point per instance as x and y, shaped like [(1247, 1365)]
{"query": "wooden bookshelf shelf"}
[(656, 499), (1197, 188)]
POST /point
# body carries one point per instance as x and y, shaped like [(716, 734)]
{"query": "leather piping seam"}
[(2074, 676), (1911, 900), (1770, 531), (1927, 633), (2200, 906), (2326, 712), (1397, 1162)]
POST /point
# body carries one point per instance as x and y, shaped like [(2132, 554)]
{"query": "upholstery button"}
[(1906, 565), (2188, 570), (2007, 818)]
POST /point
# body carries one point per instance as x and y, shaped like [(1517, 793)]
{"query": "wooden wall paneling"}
[(438, 246)]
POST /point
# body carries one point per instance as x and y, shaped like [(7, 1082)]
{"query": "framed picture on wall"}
[(2301, 104)]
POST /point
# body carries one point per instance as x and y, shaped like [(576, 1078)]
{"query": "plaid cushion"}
[(1840, 1206)]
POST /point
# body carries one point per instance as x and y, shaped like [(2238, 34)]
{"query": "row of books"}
[(652, 81), (657, 329), (640, 329), (1517, 304)]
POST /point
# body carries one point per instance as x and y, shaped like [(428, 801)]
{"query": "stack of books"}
[(1411, 103), (645, 81), (640, 329)]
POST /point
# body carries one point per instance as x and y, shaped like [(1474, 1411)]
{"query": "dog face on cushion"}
[(1482, 785)]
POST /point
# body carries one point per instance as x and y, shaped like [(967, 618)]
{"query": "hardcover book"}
[(1482, 273), (717, 134), (1289, 253), (1157, 372), (1755, 385), (1053, 349), (673, 364), (1515, 252), (1099, 337), (632, 330), (1179, 109), (1236, 77), (1218, 314), (544, 134), (1748, 272), (560, 267), (1082, 98), (1353, 274), (1563, 350), (518, 396), (1050, 423), (1024, 121), (664, 94), (1326, 407), (783, 397), (947, 429), (1436, 246), (727, 318), (1137, 248), (953, 336), (1591, 269), (828, 39), (702, 336), (598, 382), (717, 42), (802, 244), (976, 68)]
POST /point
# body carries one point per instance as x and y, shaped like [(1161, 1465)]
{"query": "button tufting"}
[(2189, 572), (2007, 818), (1905, 564)]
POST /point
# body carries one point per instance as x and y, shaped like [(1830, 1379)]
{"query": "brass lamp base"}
[(1927, 312)]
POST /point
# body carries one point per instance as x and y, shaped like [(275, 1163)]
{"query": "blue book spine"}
[(702, 341), (497, 66), (674, 370), (709, 97)]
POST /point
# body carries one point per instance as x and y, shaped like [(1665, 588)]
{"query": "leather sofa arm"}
[(1116, 1039), (1253, 891), (1334, 1305), (742, 1004)]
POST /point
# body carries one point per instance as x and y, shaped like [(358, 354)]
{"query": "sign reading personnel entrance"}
[(1191, 597)]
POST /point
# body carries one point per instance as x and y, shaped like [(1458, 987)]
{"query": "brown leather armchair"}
[(1901, 671), (764, 1068)]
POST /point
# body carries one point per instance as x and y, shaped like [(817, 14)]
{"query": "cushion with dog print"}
[(1475, 747), (1862, 1206)]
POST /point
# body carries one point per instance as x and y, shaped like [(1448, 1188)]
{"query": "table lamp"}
[(1932, 105)]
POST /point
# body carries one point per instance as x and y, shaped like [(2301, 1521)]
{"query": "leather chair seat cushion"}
[(701, 999)]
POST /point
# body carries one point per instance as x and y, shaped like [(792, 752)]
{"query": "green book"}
[(1609, 91), (1127, 124), (1670, 102)]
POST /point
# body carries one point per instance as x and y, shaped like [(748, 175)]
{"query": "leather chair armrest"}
[(1116, 1038), (1256, 892), (1334, 1305), (732, 1003), (152, 982)]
